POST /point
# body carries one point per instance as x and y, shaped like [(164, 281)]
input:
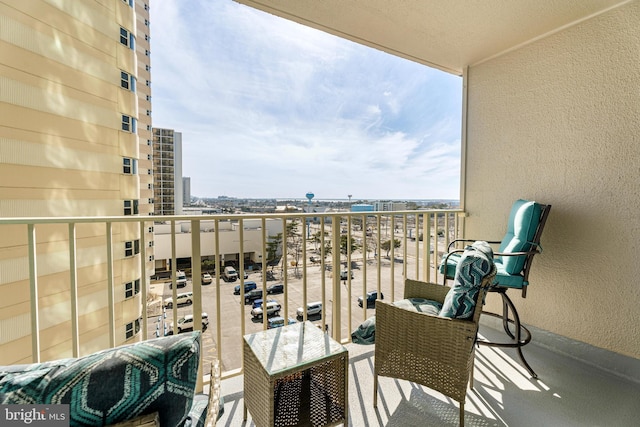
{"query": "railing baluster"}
[(174, 281), (33, 288), (285, 276), (143, 279), (336, 325), (242, 293), (392, 251), (216, 224), (73, 279), (349, 265), (196, 271), (264, 272), (110, 286)]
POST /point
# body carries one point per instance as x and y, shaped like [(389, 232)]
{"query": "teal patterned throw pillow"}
[(475, 263), (114, 385)]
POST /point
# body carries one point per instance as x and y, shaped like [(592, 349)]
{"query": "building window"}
[(127, 81), (151, 244), (147, 67), (149, 129), (148, 156), (127, 38), (129, 124), (146, 22), (132, 328), (150, 229), (150, 201), (146, 52), (131, 248), (146, 6), (149, 98), (148, 141), (129, 2), (132, 288), (151, 258), (131, 207), (129, 166), (149, 172), (126, 123), (150, 187)]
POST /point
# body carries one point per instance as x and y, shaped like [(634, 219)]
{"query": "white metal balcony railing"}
[(360, 235)]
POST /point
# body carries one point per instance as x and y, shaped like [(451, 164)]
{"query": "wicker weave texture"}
[(317, 393), (433, 351), (149, 420)]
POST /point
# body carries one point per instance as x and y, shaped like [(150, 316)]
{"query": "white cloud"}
[(270, 108)]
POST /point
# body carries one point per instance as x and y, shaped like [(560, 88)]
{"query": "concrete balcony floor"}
[(568, 392)]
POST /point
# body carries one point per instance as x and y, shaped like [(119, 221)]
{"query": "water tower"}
[(309, 196)]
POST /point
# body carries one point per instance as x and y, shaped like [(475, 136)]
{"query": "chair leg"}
[(505, 316), (518, 335), (473, 364), (375, 390), (461, 414)]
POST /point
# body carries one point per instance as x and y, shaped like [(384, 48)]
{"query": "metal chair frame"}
[(521, 336)]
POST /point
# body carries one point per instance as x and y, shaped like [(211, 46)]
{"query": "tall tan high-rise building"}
[(75, 140), (167, 158)]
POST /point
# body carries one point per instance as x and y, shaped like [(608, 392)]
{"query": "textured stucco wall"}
[(558, 121)]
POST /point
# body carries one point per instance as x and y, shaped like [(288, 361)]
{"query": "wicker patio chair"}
[(430, 350)]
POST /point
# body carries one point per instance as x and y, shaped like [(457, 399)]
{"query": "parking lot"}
[(235, 316)]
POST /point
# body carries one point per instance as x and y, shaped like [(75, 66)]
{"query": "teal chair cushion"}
[(473, 266), (522, 225), (365, 333), (505, 279)]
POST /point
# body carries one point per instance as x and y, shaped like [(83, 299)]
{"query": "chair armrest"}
[(426, 290), (454, 242), (527, 253), (431, 337)]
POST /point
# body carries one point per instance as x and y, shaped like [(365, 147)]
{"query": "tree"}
[(344, 246), (274, 250), (318, 237), (386, 246), (294, 243)]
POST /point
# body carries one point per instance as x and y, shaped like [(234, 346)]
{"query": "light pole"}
[(309, 196)]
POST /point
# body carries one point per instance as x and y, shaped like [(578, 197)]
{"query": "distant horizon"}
[(324, 199)]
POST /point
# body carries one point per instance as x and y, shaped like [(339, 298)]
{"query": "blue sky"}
[(272, 109)]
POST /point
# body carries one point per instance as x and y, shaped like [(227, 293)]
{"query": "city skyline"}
[(270, 109)]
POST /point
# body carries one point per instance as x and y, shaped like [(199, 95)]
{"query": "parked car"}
[(181, 280), (278, 322), (252, 295), (248, 286), (258, 303), (207, 279), (344, 274), (273, 308), (183, 298), (371, 298), (312, 308), (230, 274), (186, 323), (278, 288)]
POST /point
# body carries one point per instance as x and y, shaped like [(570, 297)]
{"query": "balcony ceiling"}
[(444, 34)]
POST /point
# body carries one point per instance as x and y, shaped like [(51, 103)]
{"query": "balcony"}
[(569, 391)]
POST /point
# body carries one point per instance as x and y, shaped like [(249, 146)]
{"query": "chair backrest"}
[(521, 228), (526, 223)]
